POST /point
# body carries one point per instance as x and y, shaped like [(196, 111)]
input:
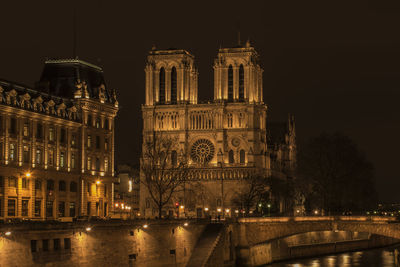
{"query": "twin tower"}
[(171, 76)]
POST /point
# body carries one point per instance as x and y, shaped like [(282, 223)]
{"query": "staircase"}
[(205, 245)]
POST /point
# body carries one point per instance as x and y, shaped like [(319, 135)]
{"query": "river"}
[(368, 258)]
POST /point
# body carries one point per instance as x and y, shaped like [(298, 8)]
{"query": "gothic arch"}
[(162, 86)]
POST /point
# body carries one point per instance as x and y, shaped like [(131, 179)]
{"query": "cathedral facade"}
[(222, 141)]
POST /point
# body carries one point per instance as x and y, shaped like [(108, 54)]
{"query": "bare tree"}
[(162, 172), (252, 191)]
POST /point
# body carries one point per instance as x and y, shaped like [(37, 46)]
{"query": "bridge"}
[(254, 236)]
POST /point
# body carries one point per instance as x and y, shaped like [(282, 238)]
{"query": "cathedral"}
[(222, 141)]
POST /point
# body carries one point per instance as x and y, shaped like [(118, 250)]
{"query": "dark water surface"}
[(367, 258)]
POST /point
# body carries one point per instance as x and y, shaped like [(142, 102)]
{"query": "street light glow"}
[(185, 224), (98, 182), (7, 233), (145, 226), (88, 229), (28, 174), (219, 209), (206, 209)]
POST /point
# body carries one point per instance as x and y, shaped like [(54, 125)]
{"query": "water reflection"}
[(368, 258)]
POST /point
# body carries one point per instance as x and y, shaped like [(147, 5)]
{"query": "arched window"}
[(61, 186), (231, 157), (174, 158), (173, 86), (162, 86), (241, 83), (242, 156), (73, 187), (230, 83)]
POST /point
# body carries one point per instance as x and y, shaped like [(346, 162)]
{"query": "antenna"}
[(238, 30), (74, 32)]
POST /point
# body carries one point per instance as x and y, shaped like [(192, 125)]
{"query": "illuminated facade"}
[(57, 144), (225, 140)]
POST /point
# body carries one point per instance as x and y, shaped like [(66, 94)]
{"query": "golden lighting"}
[(88, 229), (116, 205), (145, 226), (185, 224), (28, 174), (182, 207), (236, 211), (7, 233), (98, 182), (227, 210), (219, 209), (206, 209)]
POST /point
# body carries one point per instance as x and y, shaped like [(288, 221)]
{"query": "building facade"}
[(126, 192), (222, 141), (57, 144)]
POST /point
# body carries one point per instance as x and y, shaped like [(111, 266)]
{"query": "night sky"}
[(334, 64)]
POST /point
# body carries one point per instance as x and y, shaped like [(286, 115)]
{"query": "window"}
[(51, 134), (89, 120), (73, 140), (89, 188), (173, 86), (12, 152), (230, 120), (45, 244), (38, 184), (67, 243), (230, 83), (97, 142), (25, 183), (50, 185), (61, 209), (89, 204), (62, 186), (33, 245), (106, 144), (25, 205), (62, 159), (11, 207), (73, 160), (174, 158), (241, 82), (162, 86), (72, 209), (13, 126), (38, 156), (106, 164), (62, 135), (1, 181), (242, 156), (106, 125), (1, 150), (97, 164), (105, 190), (89, 141), (26, 154), (12, 181), (39, 131), (49, 209), (73, 187), (56, 244), (89, 163), (51, 157), (38, 207), (26, 129), (231, 157), (97, 123)]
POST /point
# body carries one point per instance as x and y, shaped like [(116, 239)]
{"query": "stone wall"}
[(160, 244)]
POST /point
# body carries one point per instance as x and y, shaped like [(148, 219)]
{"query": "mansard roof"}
[(60, 78), (23, 97)]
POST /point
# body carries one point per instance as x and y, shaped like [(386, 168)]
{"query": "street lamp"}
[(269, 209)]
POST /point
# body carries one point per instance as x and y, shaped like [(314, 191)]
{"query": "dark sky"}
[(334, 64)]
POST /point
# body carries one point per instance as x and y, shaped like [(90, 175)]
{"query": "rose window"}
[(202, 151)]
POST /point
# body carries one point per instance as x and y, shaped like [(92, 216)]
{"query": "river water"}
[(368, 258)]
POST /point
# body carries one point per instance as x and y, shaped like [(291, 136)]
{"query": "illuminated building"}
[(224, 138), (62, 133)]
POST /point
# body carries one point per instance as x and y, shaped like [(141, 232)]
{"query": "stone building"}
[(126, 192), (57, 143), (223, 141)]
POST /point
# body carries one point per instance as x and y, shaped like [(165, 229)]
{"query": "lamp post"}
[(222, 188), (269, 209)]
